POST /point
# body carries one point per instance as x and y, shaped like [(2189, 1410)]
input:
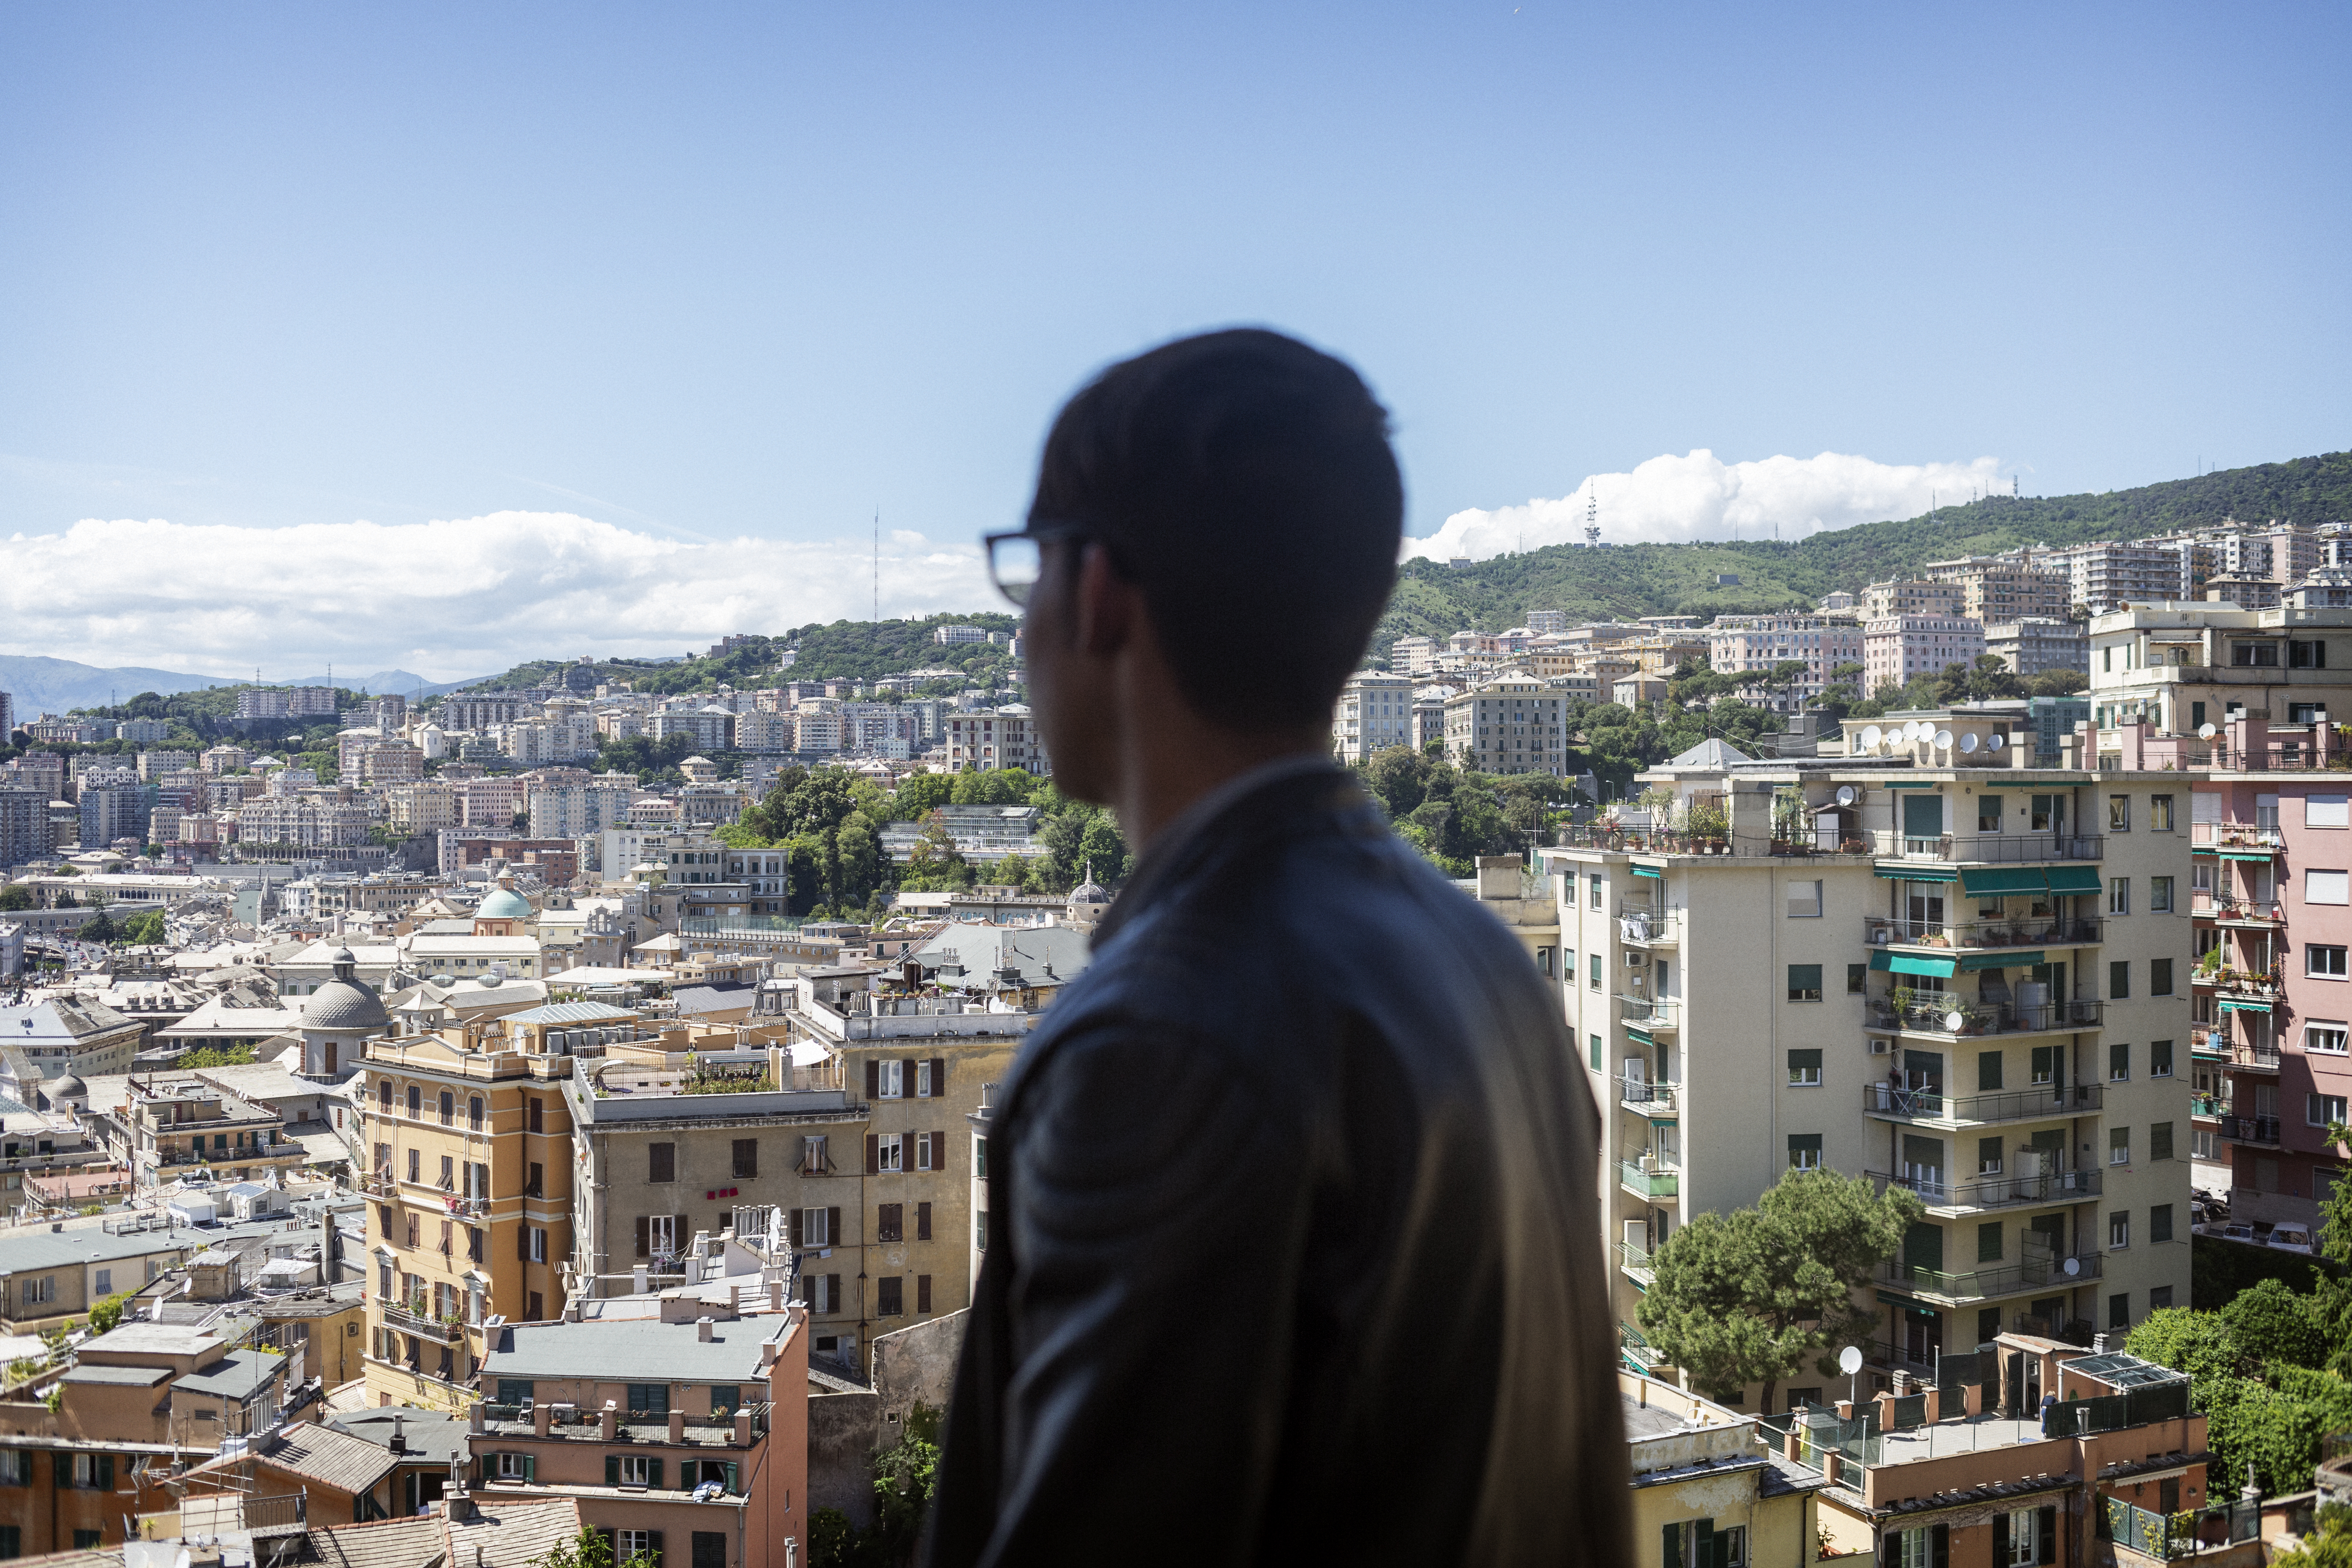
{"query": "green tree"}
[(832, 1540), (1749, 1296), (2329, 1544), (587, 1550), (14, 896), (2271, 1327), (1992, 679), (107, 1314), (145, 929), (2056, 683), (99, 928), (935, 864), (996, 786), (216, 1057), (903, 1480), (2198, 1344), (918, 794)]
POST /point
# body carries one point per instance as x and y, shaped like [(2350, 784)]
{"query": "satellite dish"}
[(1992, 742), (1871, 735), (1955, 1022), (1944, 739), (1846, 795), (1849, 1361), (1913, 730), (1968, 745), (2206, 731), (2073, 1266)]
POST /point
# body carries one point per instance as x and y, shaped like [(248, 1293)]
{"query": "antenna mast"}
[(1592, 515)]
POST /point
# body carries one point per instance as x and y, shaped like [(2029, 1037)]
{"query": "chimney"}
[(677, 1425), (702, 1329), (608, 1422), (399, 1437), (541, 1416)]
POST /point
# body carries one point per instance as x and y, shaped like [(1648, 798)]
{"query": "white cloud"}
[(1671, 499), (447, 599)]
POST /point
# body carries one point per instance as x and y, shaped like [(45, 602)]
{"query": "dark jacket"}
[(1293, 1252)]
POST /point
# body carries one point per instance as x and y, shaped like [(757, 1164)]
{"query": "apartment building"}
[(1514, 725), (1745, 644), (1373, 713), (23, 827), (1909, 596), (2106, 574), (286, 703), (2034, 644), (2272, 1013), (1930, 967), (987, 738), (684, 1429), (415, 808), (1414, 655), (470, 1169), (2182, 665), (1993, 588), (1707, 1487), (1896, 649)]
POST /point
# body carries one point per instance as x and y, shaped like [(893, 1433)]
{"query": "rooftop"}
[(237, 1375), (633, 1349)]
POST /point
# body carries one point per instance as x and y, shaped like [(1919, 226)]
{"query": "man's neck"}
[(1173, 769)]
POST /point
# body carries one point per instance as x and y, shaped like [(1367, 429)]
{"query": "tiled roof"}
[(385, 1543), (514, 1534), (331, 1457)]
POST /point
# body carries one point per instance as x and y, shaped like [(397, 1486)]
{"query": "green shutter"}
[(1804, 1059), (654, 1473), (1673, 1556), (654, 1540), (106, 1472), (1804, 977), (1987, 1071), (530, 1466), (612, 1470), (1908, 871), (732, 1490)]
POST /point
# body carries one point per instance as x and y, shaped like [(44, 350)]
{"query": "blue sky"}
[(722, 273)]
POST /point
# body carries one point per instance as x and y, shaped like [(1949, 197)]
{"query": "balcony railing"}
[(1651, 1012), (2206, 1105), (2252, 984), (2234, 836), (1662, 1181), (1635, 1261), (2024, 931), (2251, 1128), (2239, 911), (1897, 1103), (1992, 848), (2205, 1040), (1645, 927), (2259, 1058), (423, 1326), (1984, 1284), (1955, 1018), (2171, 1536), (1994, 1191), (1636, 1094), (1637, 1352)]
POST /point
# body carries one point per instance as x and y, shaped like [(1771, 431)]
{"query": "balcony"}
[(1646, 1178), (1992, 848), (2205, 1040), (2233, 984), (2207, 1106), (1987, 1284), (2258, 1130), (1634, 1261), (1949, 1199), (1642, 925), (1930, 1107), (2023, 932), (1637, 1351), (1650, 1012), (423, 1325), (2247, 914), (1948, 1016), (1648, 1099), (2210, 837), (2255, 1059)]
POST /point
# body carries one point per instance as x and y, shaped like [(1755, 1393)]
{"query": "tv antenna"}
[(1593, 516)]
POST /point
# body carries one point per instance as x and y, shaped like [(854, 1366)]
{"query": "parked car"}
[(2237, 1231), (2291, 1239)]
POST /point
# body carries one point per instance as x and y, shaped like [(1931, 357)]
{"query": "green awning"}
[(1917, 873), (2003, 880), (2234, 1005), (1905, 963), (1641, 870), (1999, 961), (1917, 783), (2262, 854), (1891, 1300), (2069, 880), (1641, 1035)]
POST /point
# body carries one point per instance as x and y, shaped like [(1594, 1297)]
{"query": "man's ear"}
[(1109, 606)]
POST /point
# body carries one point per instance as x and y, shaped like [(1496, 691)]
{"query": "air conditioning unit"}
[(1878, 1047), (1633, 961)]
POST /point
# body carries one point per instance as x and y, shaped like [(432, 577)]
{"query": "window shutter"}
[(939, 1078), (874, 1077), (645, 1245), (522, 1244), (922, 1222), (907, 1079), (732, 1490), (1672, 1555), (2045, 1535), (2001, 1540), (939, 1148), (653, 1473), (794, 1217), (530, 1466), (833, 1228), (653, 1537), (65, 1472), (873, 1155), (612, 1470), (1940, 1546)]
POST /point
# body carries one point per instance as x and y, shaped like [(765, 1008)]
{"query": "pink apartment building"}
[(1896, 648), (2271, 898)]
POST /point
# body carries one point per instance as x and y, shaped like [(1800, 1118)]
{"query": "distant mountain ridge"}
[(42, 685)]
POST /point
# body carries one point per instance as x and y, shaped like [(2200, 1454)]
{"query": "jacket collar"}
[(1228, 820)]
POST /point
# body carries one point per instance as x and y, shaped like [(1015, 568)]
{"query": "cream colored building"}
[(2182, 665), (1515, 725), (1373, 713), (1968, 979)]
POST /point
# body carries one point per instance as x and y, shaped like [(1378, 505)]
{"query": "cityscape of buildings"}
[(477, 1149)]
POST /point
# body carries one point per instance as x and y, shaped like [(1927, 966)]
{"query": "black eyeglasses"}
[(1016, 560)]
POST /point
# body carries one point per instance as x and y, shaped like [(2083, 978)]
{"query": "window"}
[(534, 1185), (1804, 1068), (474, 1112), (2119, 895), (512, 1468), (16, 1468), (747, 1158), (2159, 813), (816, 1227), (2118, 1062), (2159, 1223), (2159, 1055), (1804, 983), (890, 1297), (2120, 980), (2159, 1140), (886, 1151), (812, 1160), (1595, 971), (1804, 901), (2327, 1034), (448, 1173), (2307, 654), (2119, 814), (922, 1222), (1929, 1547), (2119, 1227), (1598, 885), (415, 1165), (2327, 811), (416, 1101), (537, 1114), (1567, 964), (2120, 1309), (2321, 887), (1989, 1242), (1595, 1049), (1988, 813), (923, 1089), (638, 1471), (2323, 961), (922, 1292), (2014, 1546), (893, 1084), (2118, 1145), (2200, 1146), (2261, 655), (2159, 895), (539, 1244), (1805, 1151), (2159, 977), (448, 1107), (2323, 1109), (661, 1162), (413, 1232), (1857, 977), (1544, 960), (890, 1222)]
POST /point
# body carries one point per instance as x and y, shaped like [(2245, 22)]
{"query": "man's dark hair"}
[(1244, 482)]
